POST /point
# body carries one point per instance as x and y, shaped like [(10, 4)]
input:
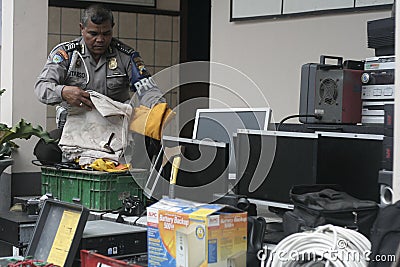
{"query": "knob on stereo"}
[(365, 77)]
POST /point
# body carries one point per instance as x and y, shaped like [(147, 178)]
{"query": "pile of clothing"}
[(96, 138)]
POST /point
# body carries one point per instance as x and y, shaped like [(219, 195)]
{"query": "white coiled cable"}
[(328, 244), (74, 58)]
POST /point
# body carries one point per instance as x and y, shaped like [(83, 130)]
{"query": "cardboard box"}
[(187, 234)]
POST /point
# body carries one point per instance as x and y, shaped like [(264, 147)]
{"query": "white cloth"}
[(86, 132)]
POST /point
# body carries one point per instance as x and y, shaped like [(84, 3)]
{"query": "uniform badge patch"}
[(57, 58), (62, 53), (140, 76), (140, 65), (112, 64)]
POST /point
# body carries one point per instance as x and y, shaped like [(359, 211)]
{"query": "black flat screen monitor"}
[(203, 170), (352, 161), (221, 124), (271, 162)]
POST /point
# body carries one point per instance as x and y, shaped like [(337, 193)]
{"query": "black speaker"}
[(381, 36), (387, 153), (333, 92), (385, 180), (389, 119)]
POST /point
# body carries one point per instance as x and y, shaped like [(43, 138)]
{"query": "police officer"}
[(95, 61)]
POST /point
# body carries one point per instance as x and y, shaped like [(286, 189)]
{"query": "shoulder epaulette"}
[(124, 48), (74, 45)]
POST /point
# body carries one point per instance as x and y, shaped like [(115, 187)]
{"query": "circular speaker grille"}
[(328, 91)]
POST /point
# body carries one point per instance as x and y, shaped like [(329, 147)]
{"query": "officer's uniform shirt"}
[(118, 70)]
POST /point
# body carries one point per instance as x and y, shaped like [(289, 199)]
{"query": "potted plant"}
[(21, 130)]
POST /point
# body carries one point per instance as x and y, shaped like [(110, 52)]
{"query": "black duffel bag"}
[(316, 205), (385, 237)]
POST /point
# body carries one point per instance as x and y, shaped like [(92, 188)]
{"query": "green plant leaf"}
[(22, 130), (4, 129)]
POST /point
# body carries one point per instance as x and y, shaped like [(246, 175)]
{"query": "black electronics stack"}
[(385, 178), (16, 230), (377, 88), (378, 94), (112, 239)]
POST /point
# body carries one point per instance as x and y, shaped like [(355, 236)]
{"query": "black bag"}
[(316, 205), (255, 238), (385, 236), (49, 154)]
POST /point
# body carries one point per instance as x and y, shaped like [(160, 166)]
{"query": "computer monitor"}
[(221, 124), (270, 163), (353, 161), (203, 170)]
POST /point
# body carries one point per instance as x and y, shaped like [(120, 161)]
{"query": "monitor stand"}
[(273, 213), (274, 233)]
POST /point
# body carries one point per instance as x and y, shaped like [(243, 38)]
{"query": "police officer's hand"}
[(75, 96)]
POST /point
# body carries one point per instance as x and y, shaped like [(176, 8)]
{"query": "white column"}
[(396, 134), (24, 52)]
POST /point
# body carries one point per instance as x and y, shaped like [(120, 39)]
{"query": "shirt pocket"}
[(117, 81), (76, 81)]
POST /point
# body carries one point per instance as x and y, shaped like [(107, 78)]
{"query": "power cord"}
[(317, 116), (140, 216), (328, 244)]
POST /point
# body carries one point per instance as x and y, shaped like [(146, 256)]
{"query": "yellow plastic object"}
[(150, 121), (108, 166), (175, 167)]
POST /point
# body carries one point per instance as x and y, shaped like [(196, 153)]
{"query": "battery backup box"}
[(187, 234)]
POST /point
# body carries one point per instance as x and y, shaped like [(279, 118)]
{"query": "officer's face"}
[(97, 37)]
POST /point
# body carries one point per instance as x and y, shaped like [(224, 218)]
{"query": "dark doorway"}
[(195, 46)]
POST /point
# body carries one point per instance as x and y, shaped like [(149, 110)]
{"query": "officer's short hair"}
[(97, 14)]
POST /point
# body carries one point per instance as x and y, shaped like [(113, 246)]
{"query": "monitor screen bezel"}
[(264, 127), (156, 180), (270, 202), (232, 110)]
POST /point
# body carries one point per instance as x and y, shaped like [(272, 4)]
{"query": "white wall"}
[(24, 52), (396, 134), (271, 52)]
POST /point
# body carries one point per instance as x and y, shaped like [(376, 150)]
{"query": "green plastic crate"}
[(98, 191)]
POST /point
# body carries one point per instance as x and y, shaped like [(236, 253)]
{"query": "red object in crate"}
[(92, 259), (30, 263)]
